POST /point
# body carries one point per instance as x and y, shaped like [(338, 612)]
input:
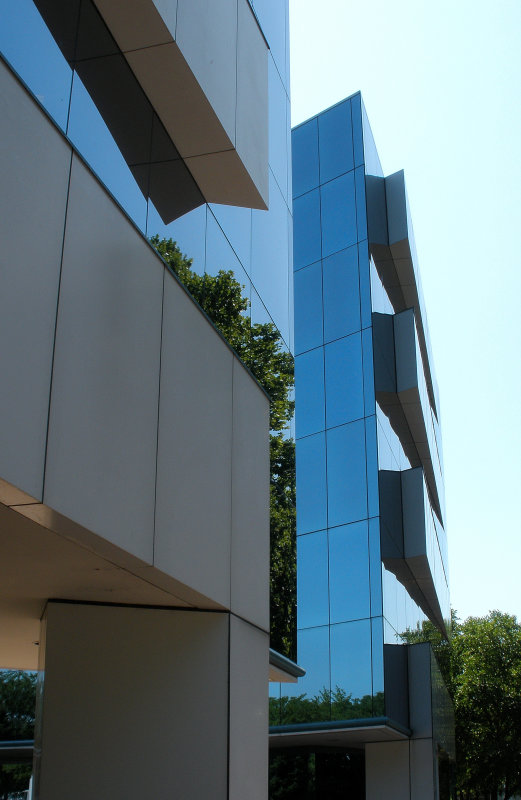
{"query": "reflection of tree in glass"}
[(17, 709), (327, 705), (260, 347)]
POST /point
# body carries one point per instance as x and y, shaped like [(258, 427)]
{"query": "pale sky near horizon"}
[(441, 83)]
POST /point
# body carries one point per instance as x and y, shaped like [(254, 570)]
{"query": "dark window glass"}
[(349, 572), (378, 665), (306, 229), (335, 138), (312, 580), (338, 214), (361, 211), (311, 483), (305, 157), (341, 294), (309, 391), (344, 384), (372, 466), (346, 478), (351, 664), (375, 567), (308, 308), (367, 350), (358, 142), (365, 283), (28, 45)]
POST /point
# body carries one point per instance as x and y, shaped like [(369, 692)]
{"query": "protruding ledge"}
[(283, 670)]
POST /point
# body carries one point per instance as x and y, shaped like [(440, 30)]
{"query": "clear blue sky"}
[(441, 83)]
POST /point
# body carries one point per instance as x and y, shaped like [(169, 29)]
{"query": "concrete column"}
[(400, 770), (136, 704)]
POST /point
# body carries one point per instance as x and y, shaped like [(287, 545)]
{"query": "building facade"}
[(371, 547), (134, 463)]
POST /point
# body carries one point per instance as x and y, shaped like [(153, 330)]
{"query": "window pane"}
[(313, 651), (349, 572), (338, 212), (306, 227), (309, 391), (336, 141), (351, 666), (312, 580), (341, 294), (344, 385), (311, 483), (305, 157), (347, 490), (308, 308)]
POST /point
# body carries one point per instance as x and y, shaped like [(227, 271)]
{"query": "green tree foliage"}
[(260, 347), (481, 666), (17, 709), (328, 704)]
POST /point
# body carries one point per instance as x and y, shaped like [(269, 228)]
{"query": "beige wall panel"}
[(423, 785), (207, 37), (34, 173), (193, 500), (250, 500), (135, 704), (387, 771), (248, 712), (252, 99), (103, 424)]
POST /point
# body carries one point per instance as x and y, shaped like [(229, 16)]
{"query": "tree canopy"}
[(17, 710), (261, 348)]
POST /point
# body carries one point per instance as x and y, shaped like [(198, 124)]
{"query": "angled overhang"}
[(410, 541), (183, 88), (338, 733), (401, 391), (391, 242)]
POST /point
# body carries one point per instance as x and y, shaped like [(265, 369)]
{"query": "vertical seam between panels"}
[(51, 382), (158, 415)]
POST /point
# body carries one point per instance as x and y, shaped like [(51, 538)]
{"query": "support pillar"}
[(136, 703)]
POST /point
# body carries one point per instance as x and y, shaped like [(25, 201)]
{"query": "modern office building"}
[(134, 537), (372, 717)]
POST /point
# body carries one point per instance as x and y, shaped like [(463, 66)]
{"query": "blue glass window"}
[(372, 466), (308, 308), (311, 483), (367, 350), (358, 142), (375, 567), (349, 572), (28, 45), (305, 157), (335, 141), (351, 660), (338, 214), (341, 294), (312, 580), (344, 392), (361, 210), (309, 391), (306, 229), (347, 489)]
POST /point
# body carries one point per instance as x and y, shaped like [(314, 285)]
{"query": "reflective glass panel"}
[(278, 141), (356, 116), (378, 666), (375, 567), (312, 580), (344, 384), (361, 211), (367, 351), (28, 45), (365, 284), (88, 131), (236, 224), (372, 466), (347, 490), (351, 665), (335, 141), (338, 214), (188, 231), (313, 651), (341, 294), (349, 572), (304, 141), (308, 308), (306, 228), (270, 253), (311, 483), (309, 391)]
